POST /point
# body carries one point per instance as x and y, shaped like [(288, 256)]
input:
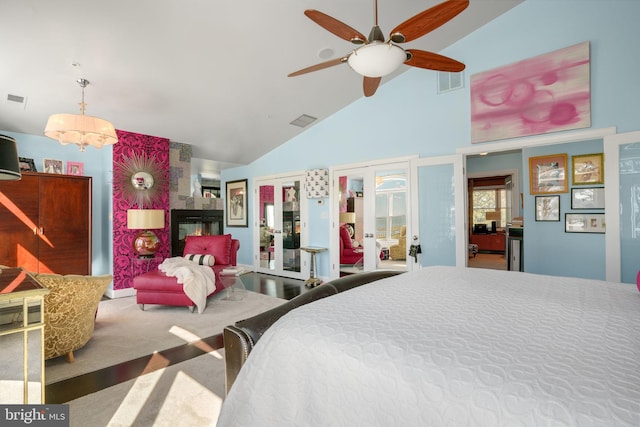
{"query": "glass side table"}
[(233, 285), (22, 312)]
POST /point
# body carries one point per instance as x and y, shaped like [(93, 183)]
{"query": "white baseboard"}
[(120, 293)]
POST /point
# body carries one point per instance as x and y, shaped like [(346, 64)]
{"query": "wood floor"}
[(73, 388)]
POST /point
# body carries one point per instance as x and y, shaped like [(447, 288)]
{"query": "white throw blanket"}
[(198, 281)]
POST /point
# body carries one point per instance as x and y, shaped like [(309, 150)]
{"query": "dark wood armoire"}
[(45, 223)]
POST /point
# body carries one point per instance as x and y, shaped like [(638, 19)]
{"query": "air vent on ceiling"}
[(303, 120), (450, 81), (15, 98)]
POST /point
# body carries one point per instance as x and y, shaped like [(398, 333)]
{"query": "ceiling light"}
[(80, 129), (377, 59)]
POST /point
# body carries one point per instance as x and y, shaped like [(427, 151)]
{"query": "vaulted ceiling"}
[(207, 73)]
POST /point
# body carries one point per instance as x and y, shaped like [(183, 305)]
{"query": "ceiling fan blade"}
[(370, 85), (427, 21), (432, 61), (336, 27), (321, 66)]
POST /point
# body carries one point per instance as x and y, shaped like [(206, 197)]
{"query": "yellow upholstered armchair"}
[(399, 251), (69, 311)]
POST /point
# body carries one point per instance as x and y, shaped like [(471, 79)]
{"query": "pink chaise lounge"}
[(155, 287)]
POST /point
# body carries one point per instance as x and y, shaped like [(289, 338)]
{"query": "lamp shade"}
[(377, 59), (80, 130), (348, 217), (9, 164), (492, 215), (145, 219)]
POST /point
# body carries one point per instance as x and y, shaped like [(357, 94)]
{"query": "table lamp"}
[(146, 242)]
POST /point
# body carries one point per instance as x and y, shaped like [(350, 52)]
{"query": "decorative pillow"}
[(217, 245), (200, 259)]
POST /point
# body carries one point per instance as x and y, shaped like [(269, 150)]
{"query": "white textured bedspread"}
[(198, 281), (449, 346)]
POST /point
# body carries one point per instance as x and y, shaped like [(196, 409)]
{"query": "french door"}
[(281, 226), (372, 203), (439, 220), (622, 206)]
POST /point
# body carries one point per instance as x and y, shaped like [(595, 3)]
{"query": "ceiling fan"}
[(376, 57)]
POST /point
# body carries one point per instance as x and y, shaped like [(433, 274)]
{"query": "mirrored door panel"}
[(281, 231)]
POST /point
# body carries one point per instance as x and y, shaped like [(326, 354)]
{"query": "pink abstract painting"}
[(547, 93)]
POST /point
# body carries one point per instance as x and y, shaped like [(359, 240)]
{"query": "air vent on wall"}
[(450, 81), (303, 120)]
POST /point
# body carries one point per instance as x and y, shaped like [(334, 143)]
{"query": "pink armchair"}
[(348, 254)]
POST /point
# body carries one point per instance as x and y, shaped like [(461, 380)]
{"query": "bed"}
[(449, 346)]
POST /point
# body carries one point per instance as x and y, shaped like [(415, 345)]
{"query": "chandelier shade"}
[(80, 129)]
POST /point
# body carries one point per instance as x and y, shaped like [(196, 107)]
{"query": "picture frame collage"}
[(549, 177), (54, 166)]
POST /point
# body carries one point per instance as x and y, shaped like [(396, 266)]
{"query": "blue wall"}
[(407, 116)]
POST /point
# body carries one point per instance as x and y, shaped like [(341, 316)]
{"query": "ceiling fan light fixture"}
[(377, 59)]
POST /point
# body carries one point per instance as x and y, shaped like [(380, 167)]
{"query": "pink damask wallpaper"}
[(129, 143)]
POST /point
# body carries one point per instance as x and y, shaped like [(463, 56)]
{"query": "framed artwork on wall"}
[(587, 169), (75, 168), (27, 164), (547, 208), (587, 198), (584, 223), (548, 174), (52, 166), (236, 203)]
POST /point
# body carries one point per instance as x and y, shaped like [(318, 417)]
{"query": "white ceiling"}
[(212, 74)]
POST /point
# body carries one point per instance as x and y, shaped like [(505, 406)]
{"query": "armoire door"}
[(65, 225), (19, 223)]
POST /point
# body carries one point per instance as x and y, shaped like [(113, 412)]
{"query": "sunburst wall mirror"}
[(139, 179)]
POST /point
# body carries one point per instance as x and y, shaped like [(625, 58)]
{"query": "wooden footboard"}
[(239, 339)]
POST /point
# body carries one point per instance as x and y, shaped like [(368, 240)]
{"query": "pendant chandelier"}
[(80, 129)]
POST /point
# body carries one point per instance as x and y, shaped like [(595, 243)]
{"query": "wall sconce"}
[(146, 242)]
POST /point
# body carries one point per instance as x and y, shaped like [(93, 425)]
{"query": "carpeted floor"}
[(124, 332)]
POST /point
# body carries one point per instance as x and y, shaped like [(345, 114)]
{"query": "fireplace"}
[(188, 222)]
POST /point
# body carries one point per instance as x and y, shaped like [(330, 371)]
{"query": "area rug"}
[(124, 332), (185, 394)]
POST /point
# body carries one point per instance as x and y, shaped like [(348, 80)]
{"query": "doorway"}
[(371, 211), (282, 226), (488, 213)]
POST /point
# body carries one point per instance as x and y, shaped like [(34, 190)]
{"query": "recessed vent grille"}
[(303, 120), (450, 81), (15, 98)]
